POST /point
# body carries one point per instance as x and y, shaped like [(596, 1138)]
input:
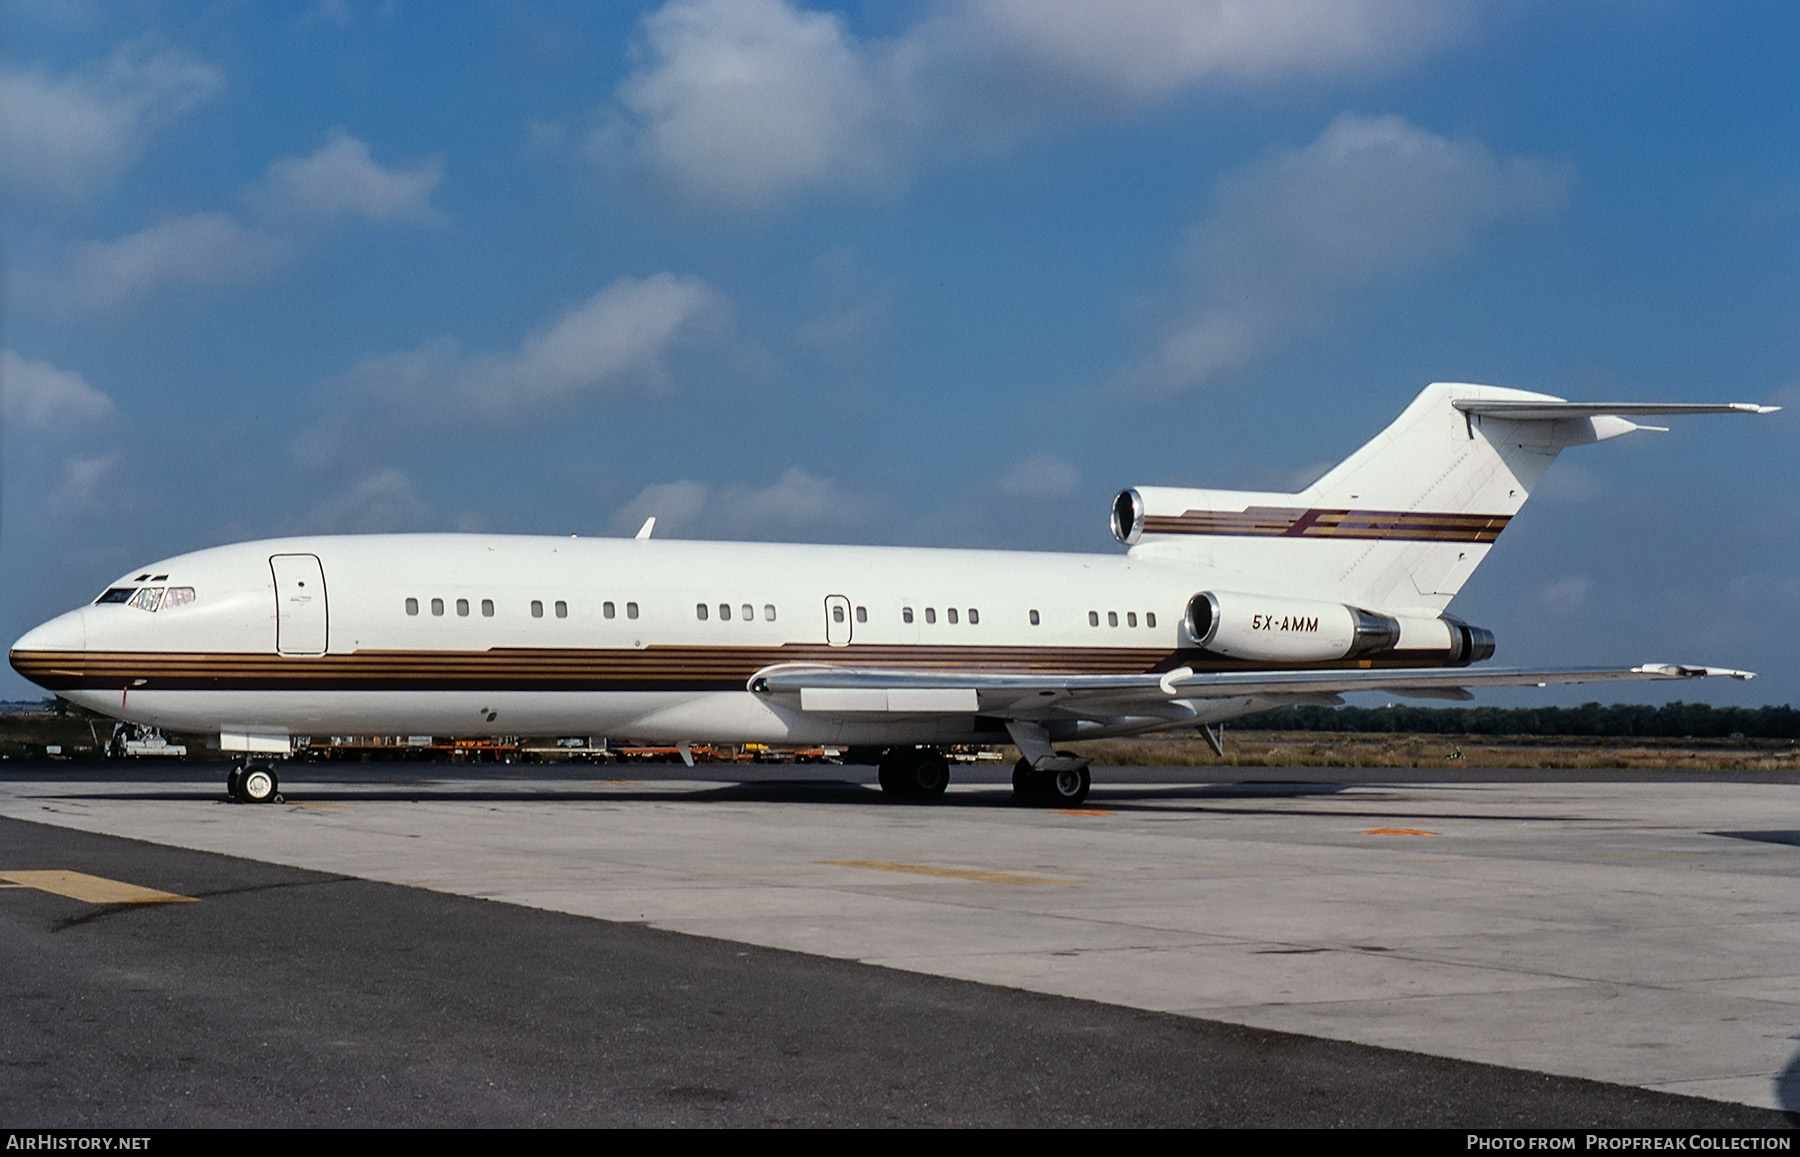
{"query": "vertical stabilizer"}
[(1401, 524)]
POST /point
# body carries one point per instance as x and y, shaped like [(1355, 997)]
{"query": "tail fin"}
[(1401, 524)]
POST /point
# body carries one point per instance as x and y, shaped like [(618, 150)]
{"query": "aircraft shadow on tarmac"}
[(813, 791), (1791, 838), (1225, 799), (1787, 1088), (1787, 1085)]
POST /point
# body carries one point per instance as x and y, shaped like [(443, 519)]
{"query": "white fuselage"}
[(617, 645)]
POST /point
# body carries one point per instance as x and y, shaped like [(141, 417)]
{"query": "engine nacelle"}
[(1276, 629), (1162, 513)]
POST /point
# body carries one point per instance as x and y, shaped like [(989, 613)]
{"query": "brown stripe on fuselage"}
[(665, 668), (1294, 522)]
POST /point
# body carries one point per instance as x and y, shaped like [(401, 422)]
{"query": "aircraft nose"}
[(63, 633)]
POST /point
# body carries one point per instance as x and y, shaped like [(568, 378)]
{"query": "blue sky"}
[(946, 273)]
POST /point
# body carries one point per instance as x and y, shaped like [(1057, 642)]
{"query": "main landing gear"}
[(913, 774), (1063, 783), (253, 783)]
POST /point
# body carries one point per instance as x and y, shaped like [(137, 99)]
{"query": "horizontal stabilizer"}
[(1554, 411)]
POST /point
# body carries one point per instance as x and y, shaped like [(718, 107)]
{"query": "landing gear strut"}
[(253, 783), (914, 774)]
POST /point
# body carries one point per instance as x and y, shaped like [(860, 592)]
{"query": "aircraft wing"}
[(860, 690)]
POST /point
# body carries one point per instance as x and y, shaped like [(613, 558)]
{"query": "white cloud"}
[(749, 100), (617, 342), (1289, 234), (62, 134), (339, 180), (38, 395), (382, 502), (742, 103), (1567, 595), (797, 502), (1147, 49), (342, 179), (199, 249), (1039, 476), (82, 485)]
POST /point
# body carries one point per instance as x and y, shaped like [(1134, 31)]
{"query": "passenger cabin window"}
[(562, 609), (487, 608), (1112, 618), (724, 612), (931, 614), (974, 616), (906, 614), (862, 614), (1149, 618), (606, 610), (412, 606), (700, 611), (631, 610), (437, 606), (1093, 618), (537, 608), (462, 607), (951, 614), (769, 612), (837, 614), (749, 613), (1131, 618), (1034, 618)]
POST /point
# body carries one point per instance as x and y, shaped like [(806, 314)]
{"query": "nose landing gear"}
[(253, 783)]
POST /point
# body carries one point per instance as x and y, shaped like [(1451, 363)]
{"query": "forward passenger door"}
[(301, 626)]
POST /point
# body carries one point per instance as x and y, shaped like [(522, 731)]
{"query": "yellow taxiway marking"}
[(90, 889), (1398, 832), (979, 875), (1083, 811)]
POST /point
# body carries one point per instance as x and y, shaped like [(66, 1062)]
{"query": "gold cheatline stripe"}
[(585, 663), (431, 662), (1265, 521)]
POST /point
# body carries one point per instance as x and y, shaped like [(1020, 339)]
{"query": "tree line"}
[(1626, 720)]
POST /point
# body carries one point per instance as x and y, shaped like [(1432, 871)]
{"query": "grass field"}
[(1382, 749)]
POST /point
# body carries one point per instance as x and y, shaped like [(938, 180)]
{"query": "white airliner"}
[(1226, 603)]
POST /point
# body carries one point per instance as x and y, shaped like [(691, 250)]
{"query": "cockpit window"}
[(148, 598)]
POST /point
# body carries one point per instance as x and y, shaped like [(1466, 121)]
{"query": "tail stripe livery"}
[(1290, 522), (1400, 525)]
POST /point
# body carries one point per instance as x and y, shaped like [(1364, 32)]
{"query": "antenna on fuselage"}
[(649, 524)]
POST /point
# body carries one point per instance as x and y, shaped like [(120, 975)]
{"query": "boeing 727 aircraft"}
[(1225, 603)]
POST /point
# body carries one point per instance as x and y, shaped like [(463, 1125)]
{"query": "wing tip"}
[(1685, 671)]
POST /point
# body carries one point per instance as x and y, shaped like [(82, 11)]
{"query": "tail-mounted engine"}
[(1285, 630), (1282, 629)]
